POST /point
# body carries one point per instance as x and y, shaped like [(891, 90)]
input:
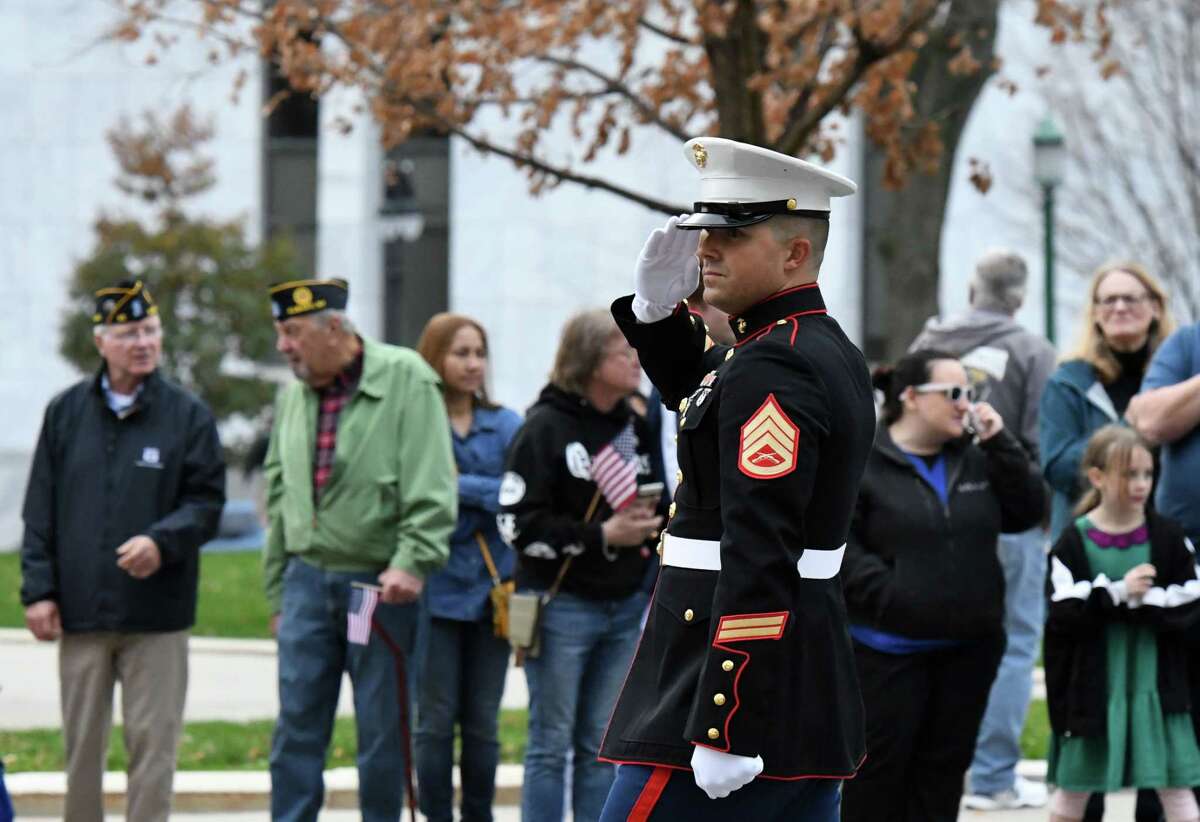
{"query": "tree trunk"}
[(903, 228)]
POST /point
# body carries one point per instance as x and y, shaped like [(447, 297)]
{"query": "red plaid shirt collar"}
[(331, 400)]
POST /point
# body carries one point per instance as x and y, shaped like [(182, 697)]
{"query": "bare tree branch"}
[(647, 111), (867, 55), (663, 33)]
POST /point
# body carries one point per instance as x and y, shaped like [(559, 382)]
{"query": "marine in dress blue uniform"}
[(745, 673)]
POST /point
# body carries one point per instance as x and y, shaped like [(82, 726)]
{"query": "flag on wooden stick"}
[(363, 599), (615, 469)]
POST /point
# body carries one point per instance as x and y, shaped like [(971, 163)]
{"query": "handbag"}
[(526, 608), (500, 593)]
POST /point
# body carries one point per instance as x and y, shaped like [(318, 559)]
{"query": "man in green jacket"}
[(361, 487)]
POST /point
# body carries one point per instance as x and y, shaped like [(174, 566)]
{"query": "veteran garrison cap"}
[(296, 298), (126, 302), (741, 185)]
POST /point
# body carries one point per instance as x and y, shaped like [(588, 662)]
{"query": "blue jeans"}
[(461, 683), (669, 795), (6, 808), (586, 648), (998, 745), (313, 653)]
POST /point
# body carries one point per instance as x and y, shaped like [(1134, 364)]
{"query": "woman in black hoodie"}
[(923, 585), (569, 505)]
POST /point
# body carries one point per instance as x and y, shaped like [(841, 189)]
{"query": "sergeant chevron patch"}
[(742, 627), (768, 443)]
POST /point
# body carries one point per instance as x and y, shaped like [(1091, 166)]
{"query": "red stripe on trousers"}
[(650, 795)]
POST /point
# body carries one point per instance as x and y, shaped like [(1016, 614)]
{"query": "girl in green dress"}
[(1123, 591)]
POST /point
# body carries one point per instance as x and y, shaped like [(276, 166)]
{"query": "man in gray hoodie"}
[(1011, 366)]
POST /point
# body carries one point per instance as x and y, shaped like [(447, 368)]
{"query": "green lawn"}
[(222, 746), (231, 604), (232, 746)]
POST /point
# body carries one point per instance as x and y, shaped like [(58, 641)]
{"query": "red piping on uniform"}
[(850, 775), (736, 700), (612, 761), (791, 290), (762, 332), (795, 331), (651, 793)]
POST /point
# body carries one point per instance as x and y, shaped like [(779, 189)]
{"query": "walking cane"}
[(402, 689)]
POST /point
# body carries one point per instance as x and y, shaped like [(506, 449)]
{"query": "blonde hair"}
[(1091, 346), (581, 349), (1110, 449)]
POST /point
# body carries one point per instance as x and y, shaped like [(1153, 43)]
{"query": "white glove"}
[(667, 271), (720, 774)]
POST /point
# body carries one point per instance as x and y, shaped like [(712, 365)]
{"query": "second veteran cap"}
[(299, 297), (126, 302), (741, 185)]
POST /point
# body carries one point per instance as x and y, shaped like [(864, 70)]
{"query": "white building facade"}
[(519, 264)]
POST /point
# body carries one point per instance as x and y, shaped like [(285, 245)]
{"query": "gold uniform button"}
[(727, 665), (683, 405), (689, 615), (781, 322), (741, 326), (719, 699), (713, 733), (729, 354), (678, 477), (671, 510), (660, 549)]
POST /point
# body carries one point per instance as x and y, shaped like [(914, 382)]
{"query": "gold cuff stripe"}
[(757, 622), (297, 283), (748, 633)]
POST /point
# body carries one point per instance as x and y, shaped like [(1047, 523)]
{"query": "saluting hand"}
[(139, 557), (667, 271)]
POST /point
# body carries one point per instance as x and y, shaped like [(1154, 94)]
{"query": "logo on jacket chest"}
[(151, 458)]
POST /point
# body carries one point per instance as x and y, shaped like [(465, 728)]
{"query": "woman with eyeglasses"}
[(923, 585), (1125, 320)]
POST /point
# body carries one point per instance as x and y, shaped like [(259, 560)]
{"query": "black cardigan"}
[(1082, 605)]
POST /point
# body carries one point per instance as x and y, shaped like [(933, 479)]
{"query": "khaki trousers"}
[(152, 669)]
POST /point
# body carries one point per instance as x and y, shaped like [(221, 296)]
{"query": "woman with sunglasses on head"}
[(924, 590)]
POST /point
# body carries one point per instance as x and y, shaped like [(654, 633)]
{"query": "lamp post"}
[(400, 216), (1049, 163)]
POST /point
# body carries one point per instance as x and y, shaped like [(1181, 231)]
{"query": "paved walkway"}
[(230, 679)]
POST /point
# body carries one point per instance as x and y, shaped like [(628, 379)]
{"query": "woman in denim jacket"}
[(464, 662)]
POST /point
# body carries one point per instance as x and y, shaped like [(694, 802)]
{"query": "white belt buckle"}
[(818, 563)]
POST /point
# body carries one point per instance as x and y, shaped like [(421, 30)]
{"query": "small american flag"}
[(615, 469), (363, 600)]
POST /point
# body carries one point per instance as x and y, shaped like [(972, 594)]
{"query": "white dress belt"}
[(705, 555)]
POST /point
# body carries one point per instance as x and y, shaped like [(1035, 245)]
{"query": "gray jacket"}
[(1013, 364)]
